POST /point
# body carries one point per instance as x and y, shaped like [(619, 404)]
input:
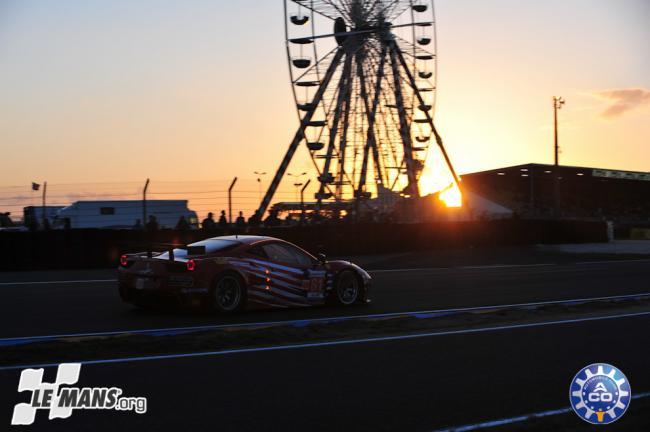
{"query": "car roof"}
[(245, 239)]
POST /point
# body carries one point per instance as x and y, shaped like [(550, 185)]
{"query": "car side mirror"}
[(321, 258)]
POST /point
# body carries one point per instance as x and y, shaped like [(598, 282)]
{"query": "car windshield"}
[(211, 246)]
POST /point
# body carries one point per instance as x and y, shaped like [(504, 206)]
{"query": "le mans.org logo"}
[(600, 394), (61, 401)]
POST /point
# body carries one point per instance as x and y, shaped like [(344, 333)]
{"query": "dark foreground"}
[(419, 385)]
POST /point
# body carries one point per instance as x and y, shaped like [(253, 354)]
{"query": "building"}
[(123, 214), (542, 191)]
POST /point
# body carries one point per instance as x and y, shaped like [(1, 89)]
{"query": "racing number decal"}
[(315, 287)]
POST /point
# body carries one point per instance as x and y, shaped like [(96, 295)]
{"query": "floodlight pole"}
[(144, 202), (43, 206), (302, 200), (558, 101), (232, 185)]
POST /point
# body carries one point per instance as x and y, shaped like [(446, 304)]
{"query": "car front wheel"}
[(347, 288)]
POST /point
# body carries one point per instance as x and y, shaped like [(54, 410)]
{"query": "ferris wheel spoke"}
[(345, 14), (372, 113), (298, 137), (390, 10), (429, 119), (386, 130), (405, 129), (342, 174), (332, 9), (320, 7), (308, 39), (369, 142), (333, 132)]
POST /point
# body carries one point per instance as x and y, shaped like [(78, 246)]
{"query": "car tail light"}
[(124, 261), (191, 265)]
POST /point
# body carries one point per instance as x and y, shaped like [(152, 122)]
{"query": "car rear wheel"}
[(228, 294), (347, 288)]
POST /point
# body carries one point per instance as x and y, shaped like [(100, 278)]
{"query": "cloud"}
[(623, 100)]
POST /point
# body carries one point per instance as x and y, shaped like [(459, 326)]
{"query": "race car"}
[(233, 273)]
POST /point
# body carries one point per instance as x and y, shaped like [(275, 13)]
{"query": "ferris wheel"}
[(363, 74)]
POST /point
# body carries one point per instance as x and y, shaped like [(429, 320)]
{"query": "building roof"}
[(594, 172)]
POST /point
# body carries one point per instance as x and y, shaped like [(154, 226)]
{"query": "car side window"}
[(258, 252), (303, 259), (287, 254), (276, 252)]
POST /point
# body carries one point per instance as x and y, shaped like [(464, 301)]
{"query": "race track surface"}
[(87, 301)]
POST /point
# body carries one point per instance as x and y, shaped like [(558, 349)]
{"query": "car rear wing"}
[(169, 248)]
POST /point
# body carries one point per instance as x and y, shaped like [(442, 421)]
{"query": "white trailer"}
[(124, 214)]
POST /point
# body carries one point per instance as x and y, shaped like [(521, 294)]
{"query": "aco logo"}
[(600, 393)]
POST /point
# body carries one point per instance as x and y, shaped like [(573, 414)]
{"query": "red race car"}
[(232, 273)]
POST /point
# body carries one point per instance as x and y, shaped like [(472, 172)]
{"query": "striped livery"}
[(274, 273)]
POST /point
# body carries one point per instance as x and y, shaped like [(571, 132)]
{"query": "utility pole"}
[(232, 185), (144, 203), (558, 101)]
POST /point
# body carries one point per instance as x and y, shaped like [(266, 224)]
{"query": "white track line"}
[(331, 318), (483, 267), (330, 343), (409, 269), (519, 419), (610, 261), (499, 266)]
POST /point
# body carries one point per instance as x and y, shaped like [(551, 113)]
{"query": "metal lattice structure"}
[(364, 75)]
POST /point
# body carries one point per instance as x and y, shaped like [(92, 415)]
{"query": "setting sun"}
[(452, 196)]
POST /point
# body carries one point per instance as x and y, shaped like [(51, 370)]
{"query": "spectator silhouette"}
[(182, 224), (241, 220), (137, 225), (5, 220), (272, 219), (223, 222), (208, 222), (152, 224)]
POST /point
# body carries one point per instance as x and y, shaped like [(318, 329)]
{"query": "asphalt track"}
[(418, 384), (45, 303)]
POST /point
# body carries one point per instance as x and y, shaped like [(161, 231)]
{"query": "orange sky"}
[(198, 90)]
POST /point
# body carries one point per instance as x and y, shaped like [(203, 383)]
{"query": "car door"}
[(292, 278)]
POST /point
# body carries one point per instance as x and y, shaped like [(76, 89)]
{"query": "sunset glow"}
[(123, 91), (452, 197)]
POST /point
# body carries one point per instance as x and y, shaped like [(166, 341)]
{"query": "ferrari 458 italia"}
[(233, 273)]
